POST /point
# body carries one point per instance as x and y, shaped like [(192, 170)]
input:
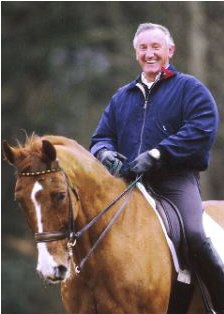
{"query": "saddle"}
[(173, 228), (173, 222), (181, 293)]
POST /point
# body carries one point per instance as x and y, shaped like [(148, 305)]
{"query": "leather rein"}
[(71, 234)]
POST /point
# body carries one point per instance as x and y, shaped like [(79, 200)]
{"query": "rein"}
[(127, 192), (102, 212), (70, 233)]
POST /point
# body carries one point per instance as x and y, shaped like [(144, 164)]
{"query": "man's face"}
[(153, 52)]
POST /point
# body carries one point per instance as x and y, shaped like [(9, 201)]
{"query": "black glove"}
[(145, 161), (113, 161)]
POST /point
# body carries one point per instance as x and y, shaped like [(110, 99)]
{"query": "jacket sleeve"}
[(197, 133), (105, 135)]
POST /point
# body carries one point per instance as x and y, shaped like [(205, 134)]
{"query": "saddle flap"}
[(172, 226), (175, 229)]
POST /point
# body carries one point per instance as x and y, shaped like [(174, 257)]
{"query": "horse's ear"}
[(9, 152), (49, 152)]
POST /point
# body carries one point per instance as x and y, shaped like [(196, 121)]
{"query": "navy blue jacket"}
[(179, 117)]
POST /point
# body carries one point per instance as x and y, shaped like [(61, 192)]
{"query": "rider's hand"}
[(145, 161), (112, 160)]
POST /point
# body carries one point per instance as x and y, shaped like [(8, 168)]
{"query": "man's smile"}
[(151, 61)]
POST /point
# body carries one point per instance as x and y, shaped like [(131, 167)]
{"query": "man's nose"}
[(149, 53)]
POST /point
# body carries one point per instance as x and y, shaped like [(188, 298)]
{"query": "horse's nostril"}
[(60, 272)]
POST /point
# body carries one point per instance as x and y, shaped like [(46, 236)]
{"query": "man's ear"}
[(172, 49)]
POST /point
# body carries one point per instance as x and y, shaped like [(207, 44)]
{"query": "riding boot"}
[(211, 269)]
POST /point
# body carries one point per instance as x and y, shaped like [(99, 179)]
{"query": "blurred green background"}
[(61, 63)]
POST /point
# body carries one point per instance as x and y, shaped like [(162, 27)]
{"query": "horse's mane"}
[(32, 149), (33, 143), (67, 142), (27, 151), (73, 158), (70, 147)]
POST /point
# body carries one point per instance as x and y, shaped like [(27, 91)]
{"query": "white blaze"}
[(45, 262), (36, 188)]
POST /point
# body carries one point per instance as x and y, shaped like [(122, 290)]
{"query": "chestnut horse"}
[(61, 187)]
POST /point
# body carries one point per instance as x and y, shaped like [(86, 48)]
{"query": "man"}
[(164, 124)]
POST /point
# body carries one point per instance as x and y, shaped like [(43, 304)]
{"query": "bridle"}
[(55, 235), (70, 233)]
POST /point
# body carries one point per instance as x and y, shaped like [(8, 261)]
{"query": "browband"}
[(37, 173)]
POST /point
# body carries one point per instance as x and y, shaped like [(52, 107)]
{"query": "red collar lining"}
[(167, 73)]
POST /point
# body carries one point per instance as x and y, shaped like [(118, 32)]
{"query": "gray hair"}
[(150, 26)]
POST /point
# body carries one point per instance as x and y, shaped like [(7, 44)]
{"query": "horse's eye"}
[(58, 196)]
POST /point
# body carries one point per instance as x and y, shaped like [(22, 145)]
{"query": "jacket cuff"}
[(97, 147), (164, 155)]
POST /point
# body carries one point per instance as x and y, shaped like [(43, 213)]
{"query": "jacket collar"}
[(166, 74)]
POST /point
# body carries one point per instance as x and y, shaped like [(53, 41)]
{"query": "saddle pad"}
[(215, 232)]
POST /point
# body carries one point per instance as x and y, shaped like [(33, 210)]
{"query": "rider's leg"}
[(183, 190)]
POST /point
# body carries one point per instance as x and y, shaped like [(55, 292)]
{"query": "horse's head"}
[(44, 193)]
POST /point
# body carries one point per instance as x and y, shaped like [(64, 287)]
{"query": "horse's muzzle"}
[(58, 275)]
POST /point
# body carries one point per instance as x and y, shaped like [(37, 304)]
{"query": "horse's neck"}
[(97, 191), (95, 186)]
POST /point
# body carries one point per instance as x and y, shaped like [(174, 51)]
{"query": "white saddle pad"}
[(215, 232)]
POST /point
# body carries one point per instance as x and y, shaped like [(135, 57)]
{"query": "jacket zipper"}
[(146, 97), (143, 124)]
